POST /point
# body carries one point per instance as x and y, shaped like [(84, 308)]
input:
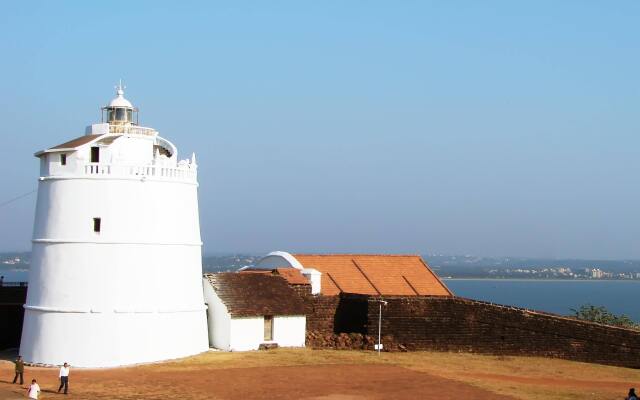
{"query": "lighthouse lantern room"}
[(116, 268)]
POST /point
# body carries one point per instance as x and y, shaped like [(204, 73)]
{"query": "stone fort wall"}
[(463, 325)]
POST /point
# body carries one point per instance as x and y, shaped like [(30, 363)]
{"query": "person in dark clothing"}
[(632, 394), (19, 370)]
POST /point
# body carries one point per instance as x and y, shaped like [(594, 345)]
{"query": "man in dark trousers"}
[(19, 370), (64, 378)]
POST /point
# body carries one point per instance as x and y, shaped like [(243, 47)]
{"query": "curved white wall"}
[(129, 294), (219, 319), (279, 259)]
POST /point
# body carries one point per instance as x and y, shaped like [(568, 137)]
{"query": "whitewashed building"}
[(116, 269), (247, 310)]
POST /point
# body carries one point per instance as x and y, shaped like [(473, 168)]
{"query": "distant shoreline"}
[(540, 280)]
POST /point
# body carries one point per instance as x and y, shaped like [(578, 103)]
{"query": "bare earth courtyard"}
[(337, 375)]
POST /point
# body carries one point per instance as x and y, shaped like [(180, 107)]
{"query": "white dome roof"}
[(119, 100)]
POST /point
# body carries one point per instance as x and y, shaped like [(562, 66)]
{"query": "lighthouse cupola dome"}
[(120, 111)]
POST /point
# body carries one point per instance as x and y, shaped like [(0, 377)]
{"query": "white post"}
[(379, 327)]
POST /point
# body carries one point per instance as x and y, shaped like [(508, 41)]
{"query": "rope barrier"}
[(22, 196)]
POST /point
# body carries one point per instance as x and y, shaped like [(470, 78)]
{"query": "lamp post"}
[(381, 302)]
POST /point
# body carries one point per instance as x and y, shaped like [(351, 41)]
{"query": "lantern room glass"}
[(119, 115)]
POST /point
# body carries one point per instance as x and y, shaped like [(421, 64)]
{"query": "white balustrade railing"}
[(151, 171), (132, 129)]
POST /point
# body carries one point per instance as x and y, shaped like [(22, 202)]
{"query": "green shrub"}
[(601, 315)]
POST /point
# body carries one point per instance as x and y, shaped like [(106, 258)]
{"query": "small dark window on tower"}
[(96, 225), (63, 159), (95, 154)]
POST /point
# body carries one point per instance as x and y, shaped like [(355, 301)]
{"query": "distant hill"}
[(475, 264), (444, 265)]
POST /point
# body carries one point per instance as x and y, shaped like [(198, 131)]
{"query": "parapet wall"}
[(458, 324), (321, 313), (464, 325)]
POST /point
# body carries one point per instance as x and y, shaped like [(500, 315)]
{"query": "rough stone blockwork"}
[(337, 322), (350, 321), (321, 313), (342, 341), (457, 324), (302, 290)]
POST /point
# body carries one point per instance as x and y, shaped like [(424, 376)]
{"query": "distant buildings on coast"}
[(12, 261), (533, 268), (561, 273), (232, 262)]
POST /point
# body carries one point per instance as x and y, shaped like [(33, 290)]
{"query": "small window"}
[(268, 328), (96, 225), (95, 154), (63, 159)]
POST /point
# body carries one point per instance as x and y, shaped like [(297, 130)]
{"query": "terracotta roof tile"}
[(406, 275), (256, 271), (292, 275), (255, 294)]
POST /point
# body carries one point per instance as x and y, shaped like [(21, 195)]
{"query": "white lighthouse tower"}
[(116, 265)]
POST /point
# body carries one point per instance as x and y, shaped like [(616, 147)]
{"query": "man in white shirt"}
[(64, 378), (34, 390)]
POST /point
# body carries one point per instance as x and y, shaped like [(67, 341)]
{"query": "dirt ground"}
[(336, 375)]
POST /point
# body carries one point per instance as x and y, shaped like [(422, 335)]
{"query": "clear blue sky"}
[(458, 127)]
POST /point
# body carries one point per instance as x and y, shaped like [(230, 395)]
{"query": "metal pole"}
[(379, 327)]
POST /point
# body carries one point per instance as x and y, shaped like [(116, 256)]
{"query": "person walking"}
[(33, 391), (19, 370), (632, 394), (64, 378)]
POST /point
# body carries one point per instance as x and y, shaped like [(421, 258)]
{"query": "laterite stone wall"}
[(458, 324), (321, 312)]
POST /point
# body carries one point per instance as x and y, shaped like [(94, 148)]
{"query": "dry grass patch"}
[(527, 378)]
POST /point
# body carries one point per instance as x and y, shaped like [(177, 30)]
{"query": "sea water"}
[(556, 296)]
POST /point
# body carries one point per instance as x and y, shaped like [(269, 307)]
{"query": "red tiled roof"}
[(255, 294), (79, 141), (256, 271), (402, 275), (291, 275), (70, 145)]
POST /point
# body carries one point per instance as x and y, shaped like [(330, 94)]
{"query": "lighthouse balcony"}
[(122, 129), (184, 172), (132, 130), (180, 173)]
